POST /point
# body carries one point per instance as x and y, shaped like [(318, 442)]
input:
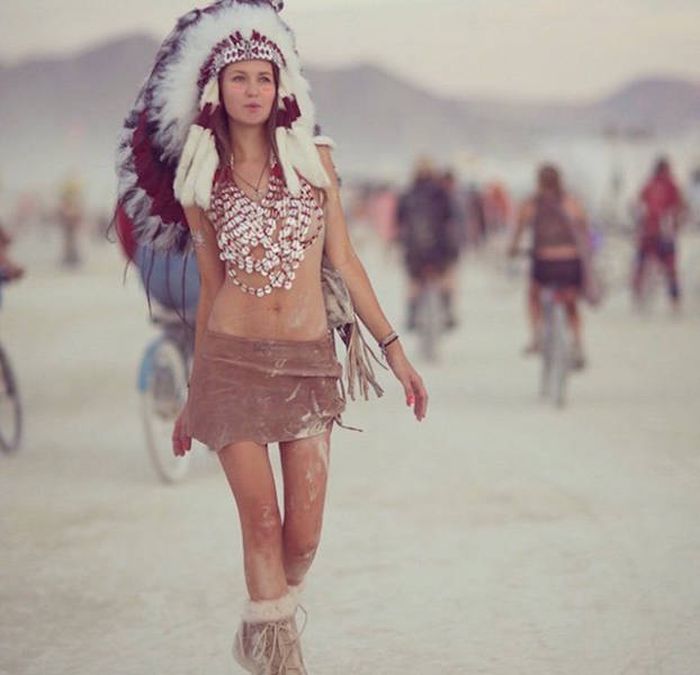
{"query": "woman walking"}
[(219, 154)]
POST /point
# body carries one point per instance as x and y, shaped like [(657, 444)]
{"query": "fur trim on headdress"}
[(167, 132)]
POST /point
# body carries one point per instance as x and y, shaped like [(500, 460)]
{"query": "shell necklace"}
[(268, 237)]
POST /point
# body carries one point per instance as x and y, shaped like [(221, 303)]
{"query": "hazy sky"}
[(569, 49)]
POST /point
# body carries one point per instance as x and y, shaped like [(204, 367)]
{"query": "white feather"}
[(185, 164), (204, 178), (210, 93)]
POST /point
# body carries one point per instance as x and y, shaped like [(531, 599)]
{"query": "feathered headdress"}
[(167, 154)]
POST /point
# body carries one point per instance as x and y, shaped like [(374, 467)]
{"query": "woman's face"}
[(248, 91)]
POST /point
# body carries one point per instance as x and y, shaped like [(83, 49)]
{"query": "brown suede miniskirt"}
[(250, 389)]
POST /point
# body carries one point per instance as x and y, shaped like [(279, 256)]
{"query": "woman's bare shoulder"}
[(325, 152)]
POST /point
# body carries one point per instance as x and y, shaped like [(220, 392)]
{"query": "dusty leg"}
[(448, 284), (640, 267), (248, 470), (305, 470), (414, 289), (670, 268)]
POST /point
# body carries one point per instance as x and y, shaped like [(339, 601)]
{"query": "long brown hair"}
[(549, 181), (220, 126)]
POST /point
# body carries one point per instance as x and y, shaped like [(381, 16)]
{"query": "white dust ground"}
[(497, 537)]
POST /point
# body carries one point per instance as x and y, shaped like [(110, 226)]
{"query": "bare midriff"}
[(297, 313)]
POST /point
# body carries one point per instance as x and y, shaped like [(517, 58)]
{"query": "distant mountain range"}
[(57, 113)]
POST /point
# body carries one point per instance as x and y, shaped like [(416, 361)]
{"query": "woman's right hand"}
[(406, 374), (182, 440)]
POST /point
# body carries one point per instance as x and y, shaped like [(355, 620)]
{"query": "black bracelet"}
[(385, 343), (394, 339)]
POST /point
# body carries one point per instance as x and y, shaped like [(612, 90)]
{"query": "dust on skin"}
[(265, 521), (316, 473), (323, 447), (268, 517)]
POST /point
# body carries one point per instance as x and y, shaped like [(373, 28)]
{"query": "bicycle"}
[(556, 347), (431, 317), (651, 282), (556, 343), (162, 382), (10, 406), (10, 401)]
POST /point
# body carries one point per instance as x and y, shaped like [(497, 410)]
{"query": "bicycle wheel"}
[(429, 321), (547, 347), (10, 407), (555, 352), (163, 385), (561, 356)]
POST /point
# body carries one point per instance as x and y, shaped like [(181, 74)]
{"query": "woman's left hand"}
[(416, 394)]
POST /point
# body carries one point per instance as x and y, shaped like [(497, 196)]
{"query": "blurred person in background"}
[(552, 215), (9, 269), (70, 217), (426, 234), (458, 204), (457, 232), (497, 208), (662, 208), (694, 198), (170, 277), (475, 225)]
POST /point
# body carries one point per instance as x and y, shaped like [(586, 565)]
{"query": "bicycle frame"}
[(556, 346), (179, 334), (162, 380)]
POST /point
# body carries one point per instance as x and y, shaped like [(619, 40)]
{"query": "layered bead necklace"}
[(268, 236)]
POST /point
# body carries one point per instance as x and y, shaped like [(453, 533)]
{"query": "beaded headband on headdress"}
[(236, 48), (167, 155)]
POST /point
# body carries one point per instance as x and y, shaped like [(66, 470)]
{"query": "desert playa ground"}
[(500, 536)]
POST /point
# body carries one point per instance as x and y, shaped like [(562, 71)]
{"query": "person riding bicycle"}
[(662, 209), (9, 270), (553, 216), (694, 198), (171, 277), (426, 233)]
